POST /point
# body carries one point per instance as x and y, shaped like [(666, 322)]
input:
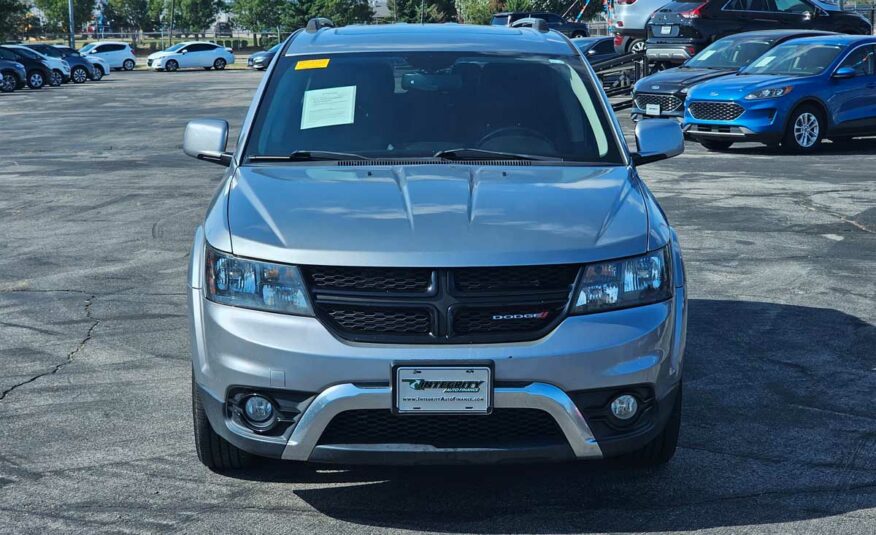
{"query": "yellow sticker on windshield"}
[(311, 64)]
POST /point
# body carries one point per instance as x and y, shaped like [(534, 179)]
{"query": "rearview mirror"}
[(206, 139), (845, 72), (657, 139)]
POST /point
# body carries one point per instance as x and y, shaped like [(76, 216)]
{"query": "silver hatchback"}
[(431, 245)]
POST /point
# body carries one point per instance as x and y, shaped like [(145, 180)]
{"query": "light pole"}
[(172, 12), (72, 37)]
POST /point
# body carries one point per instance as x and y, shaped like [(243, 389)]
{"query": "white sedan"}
[(191, 54)]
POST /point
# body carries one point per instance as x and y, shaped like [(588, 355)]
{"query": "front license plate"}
[(652, 109), (665, 30), (452, 389)]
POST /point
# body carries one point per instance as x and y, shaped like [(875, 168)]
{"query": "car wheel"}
[(129, 65), (56, 78), (35, 80), (637, 46), (98, 73), (805, 130), (79, 75), (219, 64), (171, 66), (8, 83), (214, 452), (662, 448), (715, 144)]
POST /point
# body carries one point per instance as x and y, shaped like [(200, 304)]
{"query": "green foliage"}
[(257, 15), (474, 11), (12, 15), (430, 10), (342, 12), (56, 13), (517, 5), (132, 14), (197, 15)]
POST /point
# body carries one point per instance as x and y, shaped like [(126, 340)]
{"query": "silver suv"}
[(431, 245)]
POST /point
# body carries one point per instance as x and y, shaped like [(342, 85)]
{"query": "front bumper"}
[(584, 356), (672, 53), (761, 121)]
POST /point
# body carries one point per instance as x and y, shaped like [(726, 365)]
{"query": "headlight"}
[(684, 90), (246, 283), (772, 92), (628, 282)]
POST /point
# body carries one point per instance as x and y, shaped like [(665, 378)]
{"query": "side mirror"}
[(807, 16), (845, 72), (206, 139), (657, 139)]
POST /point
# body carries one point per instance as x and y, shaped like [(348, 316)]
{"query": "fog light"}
[(624, 407), (259, 410)]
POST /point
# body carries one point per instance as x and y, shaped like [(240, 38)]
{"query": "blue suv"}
[(793, 96)]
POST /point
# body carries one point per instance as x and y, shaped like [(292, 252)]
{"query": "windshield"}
[(729, 54), (416, 104), (50, 51), (86, 48), (28, 53), (795, 60), (275, 48), (175, 47)]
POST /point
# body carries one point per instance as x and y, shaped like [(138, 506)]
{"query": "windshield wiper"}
[(463, 153), (308, 156)]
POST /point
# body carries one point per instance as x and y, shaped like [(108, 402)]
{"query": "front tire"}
[(805, 130), (8, 83), (171, 66), (660, 450), (637, 46), (715, 145), (128, 65), (219, 64), (79, 75), (35, 80), (56, 78), (98, 73), (214, 452)]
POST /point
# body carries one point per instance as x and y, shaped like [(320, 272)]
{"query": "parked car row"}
[(37, 65), (787, 89), (675, 31)]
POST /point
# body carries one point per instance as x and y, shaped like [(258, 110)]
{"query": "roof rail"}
[(531, 22), (317, 23)]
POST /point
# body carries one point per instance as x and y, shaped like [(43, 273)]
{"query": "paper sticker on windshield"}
[(764, 61), (305, 64), (328, 107)]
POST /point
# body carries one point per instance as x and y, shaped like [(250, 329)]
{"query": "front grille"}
[(528, 278), (382, 320), (502, 428), (149, 62), (715, 111), (389, 280), (666, 102), (456, 305)]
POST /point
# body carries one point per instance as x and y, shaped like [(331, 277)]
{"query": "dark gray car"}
[(554, 22), (432, 245), (261, 60), (81, 69)]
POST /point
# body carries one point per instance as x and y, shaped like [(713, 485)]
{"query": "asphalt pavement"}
[(97, 210)]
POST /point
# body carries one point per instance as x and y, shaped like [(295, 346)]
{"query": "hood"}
[(435, 215), (161, 54), (736, 87), (672, 80), (262, 56)]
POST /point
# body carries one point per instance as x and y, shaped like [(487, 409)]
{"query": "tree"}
[(410, 10), (474, 11), (197, 15), (56, 13), (342, 12), (132, 14), (12, 15), (258, 15)]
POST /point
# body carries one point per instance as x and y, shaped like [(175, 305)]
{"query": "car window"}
[(729, 54), (28, 53), (795, 60), (414, 104), (862, 59), (604, 47), (6, 54), (791, 6), (86, 48), (116, 48), (746, 5), (175, 47), (499, 20)]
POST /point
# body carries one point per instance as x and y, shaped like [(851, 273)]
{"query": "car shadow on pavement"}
[(855, 146), (778, 427)]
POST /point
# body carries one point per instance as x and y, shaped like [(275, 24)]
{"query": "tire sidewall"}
[(56, 79), (171, 66), (81, 71), (42, 79), (219, 64), (128, 65), (789, 140), (11, 87)]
